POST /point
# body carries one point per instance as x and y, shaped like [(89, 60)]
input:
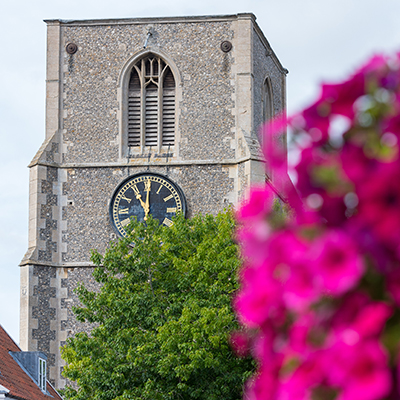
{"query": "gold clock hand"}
[(147, 188), (139, 197)]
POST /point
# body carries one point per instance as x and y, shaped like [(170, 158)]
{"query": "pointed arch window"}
[(151, 103), (268, 110)]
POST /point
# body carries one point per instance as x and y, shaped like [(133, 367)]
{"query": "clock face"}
[(144, 194)]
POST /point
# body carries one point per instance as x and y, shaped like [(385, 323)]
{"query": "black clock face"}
[(144, 194)]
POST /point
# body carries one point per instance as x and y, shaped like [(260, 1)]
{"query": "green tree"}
[(162, 316)]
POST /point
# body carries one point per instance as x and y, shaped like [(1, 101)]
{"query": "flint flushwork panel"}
[(44, 313), (46, 213)]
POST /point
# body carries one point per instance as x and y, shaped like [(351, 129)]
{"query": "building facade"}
[(160, 101)]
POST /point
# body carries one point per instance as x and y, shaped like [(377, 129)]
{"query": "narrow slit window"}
[(151, 104)]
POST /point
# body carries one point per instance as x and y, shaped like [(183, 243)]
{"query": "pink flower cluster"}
[(320, 290)]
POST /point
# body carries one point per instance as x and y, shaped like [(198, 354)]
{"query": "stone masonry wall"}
[(91, 81)]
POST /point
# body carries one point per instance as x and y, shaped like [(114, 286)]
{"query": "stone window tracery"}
[(151, 103)]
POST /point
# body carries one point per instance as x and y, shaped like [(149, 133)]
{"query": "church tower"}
[(143, 116)]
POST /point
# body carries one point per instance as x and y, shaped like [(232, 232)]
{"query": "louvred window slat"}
[(134, 109), (168, 134)]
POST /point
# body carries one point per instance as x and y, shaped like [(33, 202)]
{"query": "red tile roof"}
[(14, 378)]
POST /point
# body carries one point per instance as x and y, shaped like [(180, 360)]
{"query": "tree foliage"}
[(162, 316)]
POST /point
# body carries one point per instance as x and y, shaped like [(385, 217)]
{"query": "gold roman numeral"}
[(158, 191), (123, 211), (147, 186), (171, 209), (169, 197), (136, 190), (167, 222), (125, 222), (126, 198)]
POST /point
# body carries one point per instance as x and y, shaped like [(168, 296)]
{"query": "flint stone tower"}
[(180, 97)]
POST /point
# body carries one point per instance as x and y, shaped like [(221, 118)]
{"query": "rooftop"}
[(15, 382)]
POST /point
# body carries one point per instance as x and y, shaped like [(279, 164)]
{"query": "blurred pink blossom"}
[(317, 291), (360, 371), (338, 265)]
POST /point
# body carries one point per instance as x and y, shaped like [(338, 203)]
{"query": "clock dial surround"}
[(142, 195)]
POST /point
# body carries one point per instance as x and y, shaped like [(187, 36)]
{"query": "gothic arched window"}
[(268, 110), (151, 103)]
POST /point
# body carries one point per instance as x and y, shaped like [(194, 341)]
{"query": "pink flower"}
[(299, 384), (359, 318), (293, 269), (360, 371), (342, 96), (306, 284), (273, 147), (348, 310), (240, 342), (371, 319), (279, 278), (275, 152), (311, 158), (258, 205), (333, 209), (379, 202), (320, 174), (356, 165), (316, 118), (264, 384), (299, 333), (300, 290), (337, 264), (392, 123), (264, 346), (393, 285), (254, 241), (259, 298), (338, 99), (375, 66)]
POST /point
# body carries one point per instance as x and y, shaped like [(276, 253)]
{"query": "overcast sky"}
[(315, 40)]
